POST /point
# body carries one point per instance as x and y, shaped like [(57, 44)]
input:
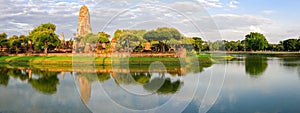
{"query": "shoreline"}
[(271, 53), (98, 61)]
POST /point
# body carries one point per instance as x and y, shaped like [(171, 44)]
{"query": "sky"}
[(209, 19)]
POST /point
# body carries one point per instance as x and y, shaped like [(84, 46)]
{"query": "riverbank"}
[(91, 60), (266, 53)]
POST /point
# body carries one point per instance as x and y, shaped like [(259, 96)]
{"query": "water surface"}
[(252, 84)]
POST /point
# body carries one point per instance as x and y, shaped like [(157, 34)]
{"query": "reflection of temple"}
[(30, 73), (85, 89)]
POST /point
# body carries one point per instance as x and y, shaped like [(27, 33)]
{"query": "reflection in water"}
[(46, 82), (16, 73), (255, 65), (299, 71), (160, 84), (141, 78), (291, 61), (103, 76), (37, 90), (84, 88), (167, 87), (4, 78)]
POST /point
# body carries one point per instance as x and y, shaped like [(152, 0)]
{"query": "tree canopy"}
[(44, 37), (3, 39), (162, 33), (256, 41), (291, 45)]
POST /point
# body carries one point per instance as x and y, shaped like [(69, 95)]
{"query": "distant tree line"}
[(43, 39)]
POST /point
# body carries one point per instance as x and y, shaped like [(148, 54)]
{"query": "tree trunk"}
[(45, 48)]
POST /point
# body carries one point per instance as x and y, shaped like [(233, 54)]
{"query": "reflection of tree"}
[(141, 78), (255, 65), (4, 78), (16, 73), (167, 87), (103, 76), (46, 83), (290, 61), (159, 84), (124, 78)]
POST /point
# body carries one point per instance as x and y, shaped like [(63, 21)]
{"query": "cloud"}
[(211, 3), (234, 27), (20, 16), (255, 29), (233, 4), (267, 11), (233, 21)]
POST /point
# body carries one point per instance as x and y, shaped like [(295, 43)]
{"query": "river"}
[(247, 84)]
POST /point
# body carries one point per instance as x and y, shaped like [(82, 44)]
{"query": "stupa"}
[(84, 26)]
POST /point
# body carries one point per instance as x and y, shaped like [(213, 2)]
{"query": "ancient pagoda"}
[(84, 26)]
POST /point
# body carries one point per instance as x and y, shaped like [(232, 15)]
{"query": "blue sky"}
[(210, 19)]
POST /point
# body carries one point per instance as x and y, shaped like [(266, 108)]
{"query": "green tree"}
[(103, 37), (162, 34), (15, 43), (44, 37), (290, 45), (231, 46), (117, 34), (255, 41), (90, 38), (198, 44), (3, 35), (240, 45), (131, 38), (3, 40)]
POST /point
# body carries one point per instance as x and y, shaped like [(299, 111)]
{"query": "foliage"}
[(44, 37), (162, 33), (3, 39), (291, 45), (198, 44), (117, 34), (90, 38), (217, 45), (3, 35), (131, 38), (255, 41), (103, 37)]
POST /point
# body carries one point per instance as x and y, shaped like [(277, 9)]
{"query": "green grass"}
[(81, 60)]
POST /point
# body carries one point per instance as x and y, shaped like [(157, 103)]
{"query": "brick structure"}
[(84, 26)]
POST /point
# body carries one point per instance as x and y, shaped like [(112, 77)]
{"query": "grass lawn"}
[(69, 60)]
